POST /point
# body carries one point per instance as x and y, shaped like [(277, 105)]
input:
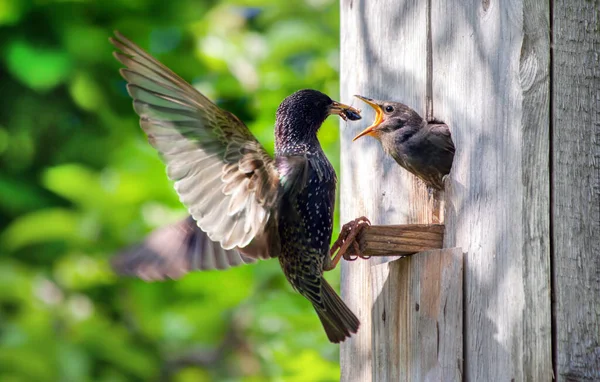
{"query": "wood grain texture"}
[(420, 304), (383, 56), (576, 189), (400, 240), (491, 85)]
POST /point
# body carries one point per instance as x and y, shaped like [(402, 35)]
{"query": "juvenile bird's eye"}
[(389, 109)]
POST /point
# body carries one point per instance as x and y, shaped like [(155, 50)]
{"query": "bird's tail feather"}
[(338, 320)]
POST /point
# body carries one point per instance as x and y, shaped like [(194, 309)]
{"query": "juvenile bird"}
[(247, 204), (424, 148)]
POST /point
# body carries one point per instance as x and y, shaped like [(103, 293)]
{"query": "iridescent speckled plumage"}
[(306, 211), (246, 204)]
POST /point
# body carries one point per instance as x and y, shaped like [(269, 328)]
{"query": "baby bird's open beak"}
[(378, 116)]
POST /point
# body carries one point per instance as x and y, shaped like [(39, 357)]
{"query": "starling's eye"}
[(389, 109)]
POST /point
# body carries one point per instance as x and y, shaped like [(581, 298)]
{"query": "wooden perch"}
[(400, 240)]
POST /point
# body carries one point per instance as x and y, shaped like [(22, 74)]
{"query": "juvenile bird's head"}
[(301, 114), (391, 118)]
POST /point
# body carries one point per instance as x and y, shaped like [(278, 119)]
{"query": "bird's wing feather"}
[(174, 250), (222, 174), (440, 137)]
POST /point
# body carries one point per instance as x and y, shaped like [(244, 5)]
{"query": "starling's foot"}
[(346, 244)]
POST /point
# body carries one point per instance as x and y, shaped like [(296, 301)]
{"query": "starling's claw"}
[(347, 238), (355, 255)]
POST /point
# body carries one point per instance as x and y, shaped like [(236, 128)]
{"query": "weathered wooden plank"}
[(491, 85), (420, 304), (400, 240), (383, 55), (431, 231), (576, 189)]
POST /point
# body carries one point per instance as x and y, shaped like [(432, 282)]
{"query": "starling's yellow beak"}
[(378, 117), (344, 111)]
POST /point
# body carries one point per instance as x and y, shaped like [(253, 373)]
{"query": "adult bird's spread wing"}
[(173, 250), (222, 174)]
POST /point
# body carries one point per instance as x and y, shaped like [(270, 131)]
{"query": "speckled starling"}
[(246, 204), (424, 148)]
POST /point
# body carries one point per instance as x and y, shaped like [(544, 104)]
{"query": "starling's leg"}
[(346, 238)]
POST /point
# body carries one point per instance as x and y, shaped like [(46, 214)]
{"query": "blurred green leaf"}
[(74, 363), (11, 11), (19, 196), (87, 43), (307, 366), (192, 375), (42, 226), (39, 68), (28, 364), (86, 93), (73, 182), (78, 272), (111, 344)]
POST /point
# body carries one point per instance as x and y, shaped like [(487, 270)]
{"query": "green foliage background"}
[(78, 181)]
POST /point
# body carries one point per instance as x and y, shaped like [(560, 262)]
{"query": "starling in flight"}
[(247, 204), (424, 148)]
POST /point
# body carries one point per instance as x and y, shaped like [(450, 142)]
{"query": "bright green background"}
[(78, 181)]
